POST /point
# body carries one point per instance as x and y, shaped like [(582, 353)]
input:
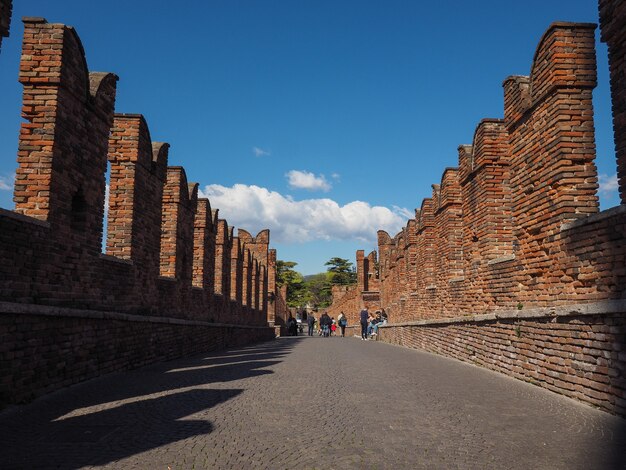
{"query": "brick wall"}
[(49, 348), (281, 310), (570, 350), (168, 256), (516, 229)]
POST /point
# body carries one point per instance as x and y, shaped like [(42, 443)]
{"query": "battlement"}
[(517, 227), (489, 235), (167, 253)]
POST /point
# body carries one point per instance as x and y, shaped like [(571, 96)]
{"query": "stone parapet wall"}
[(52, 347), (569, 350)]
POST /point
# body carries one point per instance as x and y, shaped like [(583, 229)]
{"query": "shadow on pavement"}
[(123, 414)]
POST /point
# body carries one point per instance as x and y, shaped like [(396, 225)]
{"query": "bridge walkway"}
[(306, 403)]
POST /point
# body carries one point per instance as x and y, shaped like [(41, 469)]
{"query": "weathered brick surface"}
[(572, 355), (167, 254), (516, 226), (281, 310), (6, 7), (56, 349), (205, 231)]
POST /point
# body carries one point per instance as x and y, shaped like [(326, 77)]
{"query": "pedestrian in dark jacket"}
[(364, 316), (325, 323), (310, 321)]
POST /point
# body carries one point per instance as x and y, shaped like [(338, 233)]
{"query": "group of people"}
[(327, 325), (371, 322)]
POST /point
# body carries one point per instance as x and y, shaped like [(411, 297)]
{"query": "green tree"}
[(297, 292), (319, 290), (341, 271)]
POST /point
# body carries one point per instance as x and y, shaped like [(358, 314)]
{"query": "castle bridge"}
[(153, 340)]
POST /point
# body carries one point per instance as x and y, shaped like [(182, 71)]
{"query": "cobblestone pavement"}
[(310, 403)]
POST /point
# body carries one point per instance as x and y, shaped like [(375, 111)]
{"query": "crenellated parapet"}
[(516, 270), (500, 230), (179, 210), (68, 113), (161, 288), (259, 251), (166, 251)]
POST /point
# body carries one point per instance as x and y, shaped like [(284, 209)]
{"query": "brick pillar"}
[(449, 241), (177, 226), (372, 275), (259, 247), (384, 254), (247, 277), (254, 286), (484, 172), (204, 248), (271, 287), (549, 119), (62, 153), (360, 272), (425, 257), (426, 245), (236, 271), (138, 174), (262, 315), (222, 259), (613, 33)]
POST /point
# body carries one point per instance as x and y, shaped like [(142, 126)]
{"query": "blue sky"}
[(321, 120)]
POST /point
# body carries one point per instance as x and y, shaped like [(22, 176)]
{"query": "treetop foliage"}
[(315, 290)]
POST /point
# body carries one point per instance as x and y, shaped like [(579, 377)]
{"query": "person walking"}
[(343, 322), (292, 326), (325, 323), (310, 321), (364, 318)]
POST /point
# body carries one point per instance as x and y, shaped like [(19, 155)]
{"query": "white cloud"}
[(254, 208), (259, 152), (306, 180), (336, 176), (7, 182), (404, 212), (608, 184)]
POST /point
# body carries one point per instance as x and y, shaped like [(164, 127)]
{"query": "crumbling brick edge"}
[(604, 307)]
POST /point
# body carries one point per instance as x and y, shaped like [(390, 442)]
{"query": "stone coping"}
[(574, 310), (52, 311), (593, 218), (23, 218)]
